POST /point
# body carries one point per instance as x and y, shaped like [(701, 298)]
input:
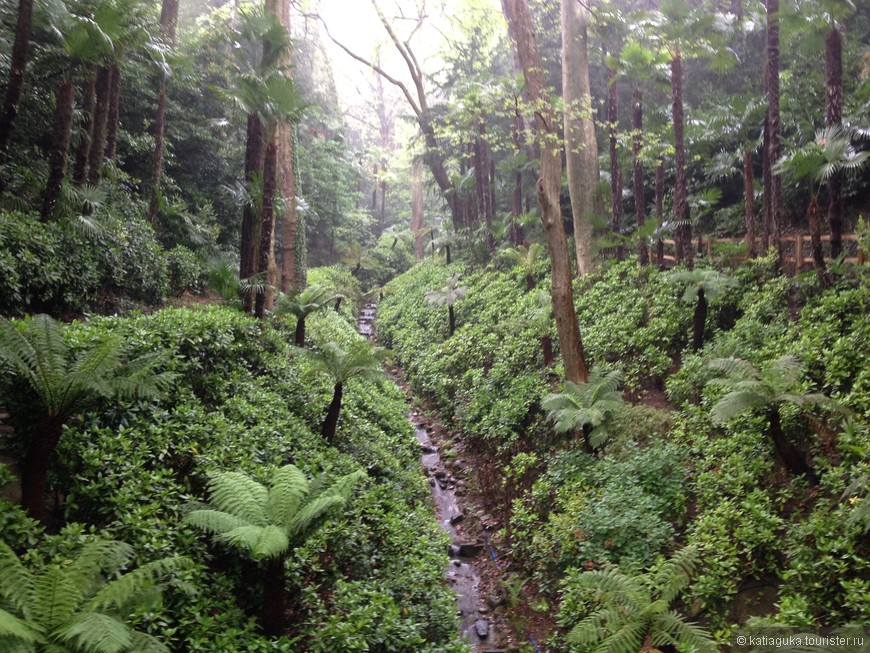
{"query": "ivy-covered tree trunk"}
[(548, 186), (103, 89), (34, 468), (749, 202), (17, 68), (274, 597), (636, 145), (834, 118), (250, 236), (89, 99), (330, 424), (699, 321), (267, 225), (60, 139), (683, 235)]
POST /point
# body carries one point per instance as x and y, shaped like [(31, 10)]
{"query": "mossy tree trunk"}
[(34, 469), (63, 116), (330, 424)]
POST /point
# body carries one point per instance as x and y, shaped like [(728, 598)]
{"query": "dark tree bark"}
[(89, 99), (616, 209), (254, 147), (482, 191), (683, 235), (548, 186), (330, 424), (749, 202), (16, 72), (547, 349), (699, 321), (34, 468), (814, 219), (794, 460), (766, 182), (168, 23), (103, 91), (451, 316), (114, 114), (63, 115), (299, 334), (637, 143), (517, 235), (660, 212), (775, 148), (417, 207), (270, 165), (834, 118), (274, 597)]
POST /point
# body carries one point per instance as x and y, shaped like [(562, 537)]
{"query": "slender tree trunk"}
[(168, 23), (103, 90), (417, 207), (774, 123), (834, 118), (330, 424), (267, 226), (749, 202), (63, 115), (699, 321), (581, 148), (34, 469), (374, 189), (766, 182), (814, 219), (451, 317), (382, 216), (16, 73), (547, 350), (794, 460), (548, 186), (274, 597), (483, 193), (616, 209), (639, 194), (447, 256), (683, 235), (114, 114), (299, 335), (254, 147), (660, 212), (89, 99)]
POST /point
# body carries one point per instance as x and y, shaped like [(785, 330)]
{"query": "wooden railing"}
[(796, 250)]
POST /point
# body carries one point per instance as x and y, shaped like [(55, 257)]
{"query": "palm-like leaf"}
[(303, 303), (448, 295), (587, 404), (73, 608), (359, 360), (713, 283)]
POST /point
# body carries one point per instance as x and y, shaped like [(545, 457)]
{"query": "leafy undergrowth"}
[(368, 580), (769, 545)]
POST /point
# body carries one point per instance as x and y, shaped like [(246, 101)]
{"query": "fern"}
[(586, 405)]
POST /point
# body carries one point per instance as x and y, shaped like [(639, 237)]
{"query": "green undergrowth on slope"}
[(771, 546), (369, 580)]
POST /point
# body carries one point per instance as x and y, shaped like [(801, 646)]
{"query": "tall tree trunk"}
[(330, 423), (581, 148), (766, 182), (254, 147), (168, 23), (274, 597), (749, 202), (834, 118), (775, 150), (63, 115), (34, 468), (290, 222), (699, 321), (683, 235), (616, 209), (417, 207), (451, 319), (114, 114), (382, 216), (636, 145), (482, 191), (548, 186), (299, 334), (794, 460), (660, 212), (16, 73), (267, 225), (103, 90), (89, 99), (547, 350)]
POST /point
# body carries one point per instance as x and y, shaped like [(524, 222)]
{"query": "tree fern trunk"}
[(270, 166), (452, 317), (16, 72), (794, 460), (100, 121), (299, 336), (34, 472), (250, 224), (834, 117), (63, 116), (80, 167), (330, 424), (274, 598), (699, 321), (547, 347)]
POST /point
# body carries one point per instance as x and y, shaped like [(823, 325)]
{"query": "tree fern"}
[(266, 524), (79, 607)]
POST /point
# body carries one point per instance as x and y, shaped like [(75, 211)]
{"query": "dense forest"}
[(410, 326)]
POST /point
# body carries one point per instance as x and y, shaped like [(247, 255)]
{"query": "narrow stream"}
[(462, 573)]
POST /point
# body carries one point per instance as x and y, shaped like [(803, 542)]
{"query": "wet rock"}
[(483, 610), (481, 626), (457, 563), (455, 519), (428, 448), (453, 551), (469, 549), (440, 474), (432, 482), (494, 600)]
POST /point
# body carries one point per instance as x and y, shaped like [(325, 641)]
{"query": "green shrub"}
[(186, 271)]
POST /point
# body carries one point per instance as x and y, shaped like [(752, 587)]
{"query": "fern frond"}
[(54, 599), (736, 403), (120, 592), (239, 495), (686, 635), (244, 537), (13, 627), (145, 643), (289, 487), (610, 582), (735, 368), (785, 371), (101, 555), (272, 543), (593, 627), (310, 513), (97, 633), (676, 573), (16, 582), (216, 522), (627, 639)]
